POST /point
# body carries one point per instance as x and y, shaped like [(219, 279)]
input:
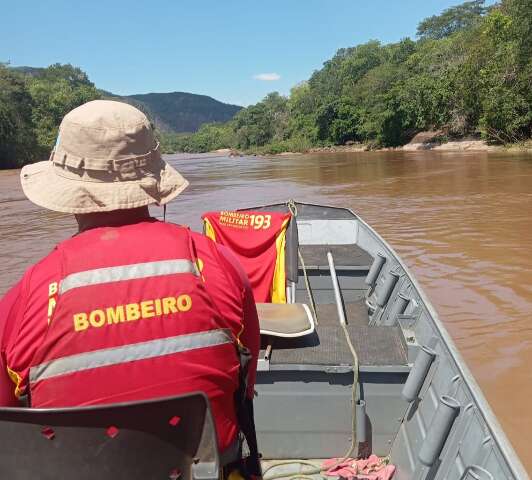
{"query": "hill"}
[(179, 111)]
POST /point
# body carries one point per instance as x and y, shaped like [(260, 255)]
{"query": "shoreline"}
[(425, 144), (459, 146)]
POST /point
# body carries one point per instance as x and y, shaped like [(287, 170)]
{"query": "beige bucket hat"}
[(106, 158)]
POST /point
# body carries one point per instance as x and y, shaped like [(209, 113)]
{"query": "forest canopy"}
[(468, 72), (34, 100), (32, 106)]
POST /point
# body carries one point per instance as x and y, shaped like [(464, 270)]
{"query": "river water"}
[(461, 221)]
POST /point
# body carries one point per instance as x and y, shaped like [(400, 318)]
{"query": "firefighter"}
[(129, 308)]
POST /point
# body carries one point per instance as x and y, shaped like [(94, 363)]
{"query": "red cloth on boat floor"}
[(258, 240), (371, 468), (25, 312)]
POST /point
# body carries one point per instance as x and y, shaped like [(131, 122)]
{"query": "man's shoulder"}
[(47, 269), (224, 256), (204, 244), (31, 294), (201, 239)]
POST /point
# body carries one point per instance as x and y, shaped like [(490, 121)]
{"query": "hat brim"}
[(43, 186)]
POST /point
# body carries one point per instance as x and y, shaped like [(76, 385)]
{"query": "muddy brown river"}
[(461, 221)]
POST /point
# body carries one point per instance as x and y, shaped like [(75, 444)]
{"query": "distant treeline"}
[(32, 105), (469, 72), (34, 100)]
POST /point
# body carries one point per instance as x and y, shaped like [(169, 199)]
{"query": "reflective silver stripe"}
[(128, 353), (126, 272)]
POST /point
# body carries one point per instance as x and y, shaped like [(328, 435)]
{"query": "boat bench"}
[(164, 438), (327, 346), (345, 256), (304, 385), (375, 345)]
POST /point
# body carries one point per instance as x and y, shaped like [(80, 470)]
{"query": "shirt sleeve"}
[(10, 310), (250, 336)]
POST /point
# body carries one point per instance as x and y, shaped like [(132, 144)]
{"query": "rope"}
[(352, 447), (307, 285), (292, 208), (354, 397)]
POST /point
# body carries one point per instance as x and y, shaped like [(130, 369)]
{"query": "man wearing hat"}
[(130, 308)]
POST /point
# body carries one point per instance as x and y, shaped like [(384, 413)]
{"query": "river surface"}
[(461, 221)]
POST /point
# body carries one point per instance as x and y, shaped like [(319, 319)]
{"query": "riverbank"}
[(421, 142), (451, 146)]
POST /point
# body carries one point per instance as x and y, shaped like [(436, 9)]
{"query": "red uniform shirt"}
[(26, 308)]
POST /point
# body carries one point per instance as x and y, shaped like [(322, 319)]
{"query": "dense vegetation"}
[(468, 72), (32, 106), (34, 100)]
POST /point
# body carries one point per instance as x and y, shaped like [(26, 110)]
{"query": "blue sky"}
[(221, 48)]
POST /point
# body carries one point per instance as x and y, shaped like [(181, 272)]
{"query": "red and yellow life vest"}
[(133, 320)]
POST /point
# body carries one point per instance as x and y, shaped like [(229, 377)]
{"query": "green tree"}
[(430, 91), (211, 136), (261, 123), (59, 89), (399, 52), (504, 82), (342, 72), (17, 141), (451, 20), (520, 13), (302, 106), (337, 121)]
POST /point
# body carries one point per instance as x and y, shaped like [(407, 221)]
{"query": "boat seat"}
[(285, 319), (263, 242), (166, 438)]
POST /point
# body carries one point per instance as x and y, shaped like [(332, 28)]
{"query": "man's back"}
[(123, 313)]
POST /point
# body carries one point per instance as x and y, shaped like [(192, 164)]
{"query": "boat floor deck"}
[(350, 255), (327, 346), (375, 345)]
